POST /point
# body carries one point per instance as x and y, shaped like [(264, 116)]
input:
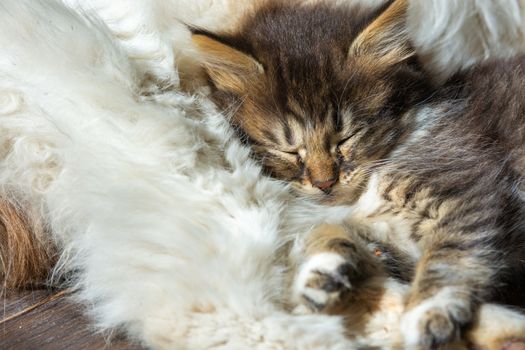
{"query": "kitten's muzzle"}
[(325, 186), (322, 171)]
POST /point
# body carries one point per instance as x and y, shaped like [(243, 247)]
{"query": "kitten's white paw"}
[(322, 280), (435, 321)]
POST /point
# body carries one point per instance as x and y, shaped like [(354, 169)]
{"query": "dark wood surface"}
[(46, 320)]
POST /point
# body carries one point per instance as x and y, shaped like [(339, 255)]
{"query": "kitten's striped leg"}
[(451, 279), (335, 261)]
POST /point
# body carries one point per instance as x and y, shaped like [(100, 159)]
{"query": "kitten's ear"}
[(385, 40), (229, 68)]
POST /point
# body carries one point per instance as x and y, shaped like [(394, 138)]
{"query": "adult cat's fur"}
[(334, 100), (164, 226), (162, 223), (450, 34), (454, 34)]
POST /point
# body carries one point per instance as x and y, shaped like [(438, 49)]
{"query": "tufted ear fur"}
[(385, 41), (228, 68)]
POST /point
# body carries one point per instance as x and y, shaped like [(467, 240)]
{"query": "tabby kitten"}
[(334, 100)]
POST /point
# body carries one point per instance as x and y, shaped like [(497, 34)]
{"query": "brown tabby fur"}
[(24, 258), (333, 99)]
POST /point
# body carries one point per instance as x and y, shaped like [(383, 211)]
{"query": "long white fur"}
[(452, 35), (154, 33), (170, 229)]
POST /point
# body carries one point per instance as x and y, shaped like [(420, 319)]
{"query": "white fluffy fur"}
[(154, 34), (454, 34), (169, 229), (449, 35)]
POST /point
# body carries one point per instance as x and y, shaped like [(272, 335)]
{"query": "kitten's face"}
[(320, 97)]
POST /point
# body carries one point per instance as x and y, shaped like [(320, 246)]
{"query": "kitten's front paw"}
[(322, 281), (436, 321)]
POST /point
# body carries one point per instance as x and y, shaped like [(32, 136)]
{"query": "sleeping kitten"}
[(334, 100), (147, 205)]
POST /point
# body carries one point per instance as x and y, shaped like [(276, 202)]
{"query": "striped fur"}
[(345, 111)]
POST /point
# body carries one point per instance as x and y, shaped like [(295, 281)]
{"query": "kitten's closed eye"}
[(343, 141), (292, 156), (343, 146)]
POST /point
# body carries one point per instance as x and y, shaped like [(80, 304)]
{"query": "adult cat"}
[(161, 223), (334, 100)]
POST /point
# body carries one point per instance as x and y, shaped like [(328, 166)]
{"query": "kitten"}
[(148, 206), (160, 222), (335, 101)]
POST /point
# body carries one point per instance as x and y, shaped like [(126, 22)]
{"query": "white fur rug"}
[(170, 230), (167, 228)]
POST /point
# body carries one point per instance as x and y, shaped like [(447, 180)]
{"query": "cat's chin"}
[(309, 191)]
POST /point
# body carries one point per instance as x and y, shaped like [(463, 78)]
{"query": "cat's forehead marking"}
[(288, 133), (346, 117), (294, 131), (269, 135), (337, 119), (295, 110)]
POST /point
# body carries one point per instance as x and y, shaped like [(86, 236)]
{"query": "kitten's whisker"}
[(340, 98), (233, 108)]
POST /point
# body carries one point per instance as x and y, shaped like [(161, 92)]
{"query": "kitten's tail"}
[(25, 258)]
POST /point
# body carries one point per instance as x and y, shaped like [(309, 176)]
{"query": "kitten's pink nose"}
[(324, 185)]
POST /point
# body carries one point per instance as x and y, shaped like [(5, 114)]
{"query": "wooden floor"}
[(46, 320)]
